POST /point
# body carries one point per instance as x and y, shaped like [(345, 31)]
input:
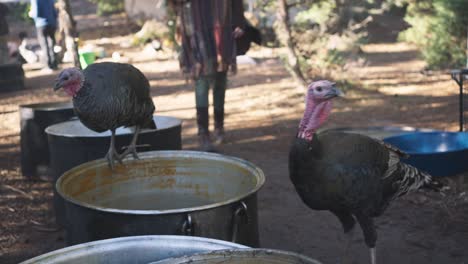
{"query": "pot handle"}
[(188, 227), (239, 214)]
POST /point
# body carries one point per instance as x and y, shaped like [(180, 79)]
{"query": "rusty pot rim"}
[(55, 130), (185, 154)]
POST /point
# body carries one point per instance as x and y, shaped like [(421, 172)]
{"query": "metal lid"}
[(75, 128), (242, 256)]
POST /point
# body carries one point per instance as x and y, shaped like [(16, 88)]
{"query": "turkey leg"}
[(348, 223), (132, 147), (349, 240), (373, 255), (370, 235), (112, 153)]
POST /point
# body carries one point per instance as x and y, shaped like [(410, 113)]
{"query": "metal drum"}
[(165, 192), (136, 250), (34, 118), (72, 144), (241, 256), (11, 77)]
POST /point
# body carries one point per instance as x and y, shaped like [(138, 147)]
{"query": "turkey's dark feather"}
[(114, 95), (351, 175), (348, 172)]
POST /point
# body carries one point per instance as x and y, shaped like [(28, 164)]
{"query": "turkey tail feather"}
[(412, 179), (434, 185)]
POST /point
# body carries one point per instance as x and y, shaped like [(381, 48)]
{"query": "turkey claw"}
[(130, 149), (111, 156)]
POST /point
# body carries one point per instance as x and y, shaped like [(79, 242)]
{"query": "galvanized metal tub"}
[(241, 256), (72, 144), (165, 192), (34, 119), (136, 249)]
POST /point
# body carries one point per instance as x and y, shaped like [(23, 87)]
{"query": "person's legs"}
[(52, 58), (49, 33), (202, 85), (219, 92), (41, 37)]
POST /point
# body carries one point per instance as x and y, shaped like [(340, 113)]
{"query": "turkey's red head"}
[(70, 80), (318, 107), (322, 91)]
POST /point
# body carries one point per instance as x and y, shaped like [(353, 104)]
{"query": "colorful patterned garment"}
[(206, 28)]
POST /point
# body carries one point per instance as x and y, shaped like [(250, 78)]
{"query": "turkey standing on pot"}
[(107, 96)]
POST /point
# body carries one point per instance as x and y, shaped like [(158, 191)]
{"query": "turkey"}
[(353, 176), (107, 96)]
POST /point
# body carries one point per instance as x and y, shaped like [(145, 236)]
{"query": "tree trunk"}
[(68, 27), (284, 33)]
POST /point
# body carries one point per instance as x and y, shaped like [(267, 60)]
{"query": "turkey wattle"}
[(353, 176), (107, 96)]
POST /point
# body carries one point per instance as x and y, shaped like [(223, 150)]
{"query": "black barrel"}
[(72, 144), (34, 119), (11, 77)]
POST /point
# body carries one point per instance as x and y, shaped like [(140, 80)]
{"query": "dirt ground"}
[(263, 109)]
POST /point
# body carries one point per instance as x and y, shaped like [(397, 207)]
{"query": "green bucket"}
[(87, 58)]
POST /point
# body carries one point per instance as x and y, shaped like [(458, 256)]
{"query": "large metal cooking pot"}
[(165, 192), (136, 250), (72, 144), (34, 118), (241, 256)]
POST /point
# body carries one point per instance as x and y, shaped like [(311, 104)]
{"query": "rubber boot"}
[(219, 126), (203, 132)]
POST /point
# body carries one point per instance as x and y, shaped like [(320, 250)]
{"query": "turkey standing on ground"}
[(107, 96), (353, 176)]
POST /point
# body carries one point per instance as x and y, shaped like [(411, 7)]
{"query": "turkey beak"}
[(334, 92), (58, 85)]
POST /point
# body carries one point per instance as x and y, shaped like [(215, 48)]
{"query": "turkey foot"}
[(111, 156), (112, 153), (132, 147)]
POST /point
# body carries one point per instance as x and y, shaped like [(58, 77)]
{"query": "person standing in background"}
[(45, 18), (207, 31), (4, 54)]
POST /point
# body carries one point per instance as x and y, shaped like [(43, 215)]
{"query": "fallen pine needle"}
[(43, 228), (11, 188)]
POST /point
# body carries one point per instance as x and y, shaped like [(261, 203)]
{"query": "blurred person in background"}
[(207, 30), (45, 18)]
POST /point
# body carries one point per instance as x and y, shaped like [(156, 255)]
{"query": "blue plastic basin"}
[(438, 153), (380, 132)]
